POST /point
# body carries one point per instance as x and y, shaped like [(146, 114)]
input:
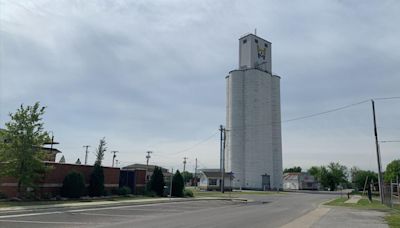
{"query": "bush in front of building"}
[(187, 193), (73, 185), (96, 184), (123, 191), (3, 196), (157, 183), (177, 184)]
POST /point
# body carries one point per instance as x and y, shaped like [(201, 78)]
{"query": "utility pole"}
[(147, 164), (184, 163), (86, 153), (195, 173), (114, 156), (148, 157), (170, 183), (378, 154), (398, 188), (222, 156)]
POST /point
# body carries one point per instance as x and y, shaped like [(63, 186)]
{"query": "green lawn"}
[(393, 217)]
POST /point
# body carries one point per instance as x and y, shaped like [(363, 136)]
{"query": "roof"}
[(54, 150), (214, 173), (137, 166)]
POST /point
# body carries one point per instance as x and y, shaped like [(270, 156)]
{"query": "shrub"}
[(73, 185), (124, 191), (96, 184), (3, 196), (177, 184), (150, 193), (157, 183), (187, 193)]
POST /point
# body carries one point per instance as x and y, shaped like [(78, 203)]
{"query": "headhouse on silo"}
[(253, 118)]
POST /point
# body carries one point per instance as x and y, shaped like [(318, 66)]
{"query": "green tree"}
[(338, 175), (157, 183), (96, 183), (360, 176), (73, 185), (315, 171), (101, 151), (392, 171), (330, 176), (187, 176), (20, 149), (177, 184), (295, 169)]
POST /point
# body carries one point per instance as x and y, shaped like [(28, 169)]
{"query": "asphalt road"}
[(264, 211)]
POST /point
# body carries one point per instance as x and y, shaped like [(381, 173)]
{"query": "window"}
[(212, 181), (256, 41), (266, 45), (244, 41)]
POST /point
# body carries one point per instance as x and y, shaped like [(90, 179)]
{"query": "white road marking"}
[(107, 215), (91, 209), (30, 214), (45, 222)]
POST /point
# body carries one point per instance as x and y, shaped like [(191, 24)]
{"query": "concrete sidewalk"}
[(323, 217), (354, 199), (349, 217)]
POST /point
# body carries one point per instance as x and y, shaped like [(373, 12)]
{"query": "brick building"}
[(52, 181)]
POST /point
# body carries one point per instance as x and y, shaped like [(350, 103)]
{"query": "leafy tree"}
[(100, 151), (338, 174), (177, 184), (315, 171), (73, 185), (187, 176), (295, 169), (359, 177), (78, 162), (392, 171), (330, 176), (157, 183), (20, 150), (96, 184)]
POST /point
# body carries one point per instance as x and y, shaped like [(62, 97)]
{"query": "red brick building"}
[(52, 181)]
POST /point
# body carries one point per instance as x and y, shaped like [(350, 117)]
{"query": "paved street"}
[(263, 211)]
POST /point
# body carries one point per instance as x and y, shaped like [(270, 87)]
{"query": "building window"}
[(212, 181), (256, 41), (244, 41), (266, 45)]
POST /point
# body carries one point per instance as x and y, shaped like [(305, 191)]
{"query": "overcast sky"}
[(150, 75)]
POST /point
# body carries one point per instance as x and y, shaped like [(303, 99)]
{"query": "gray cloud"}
[(152, 73)]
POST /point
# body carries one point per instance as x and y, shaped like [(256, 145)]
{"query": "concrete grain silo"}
[(254, 144)]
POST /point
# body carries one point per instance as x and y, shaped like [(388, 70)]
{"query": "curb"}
[(13, 209)]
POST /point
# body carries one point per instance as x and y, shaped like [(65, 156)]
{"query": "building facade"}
[(253, 122), (299, 181)]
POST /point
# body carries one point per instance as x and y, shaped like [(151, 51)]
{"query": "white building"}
[(210, 179), (254, 143), (299, 181)]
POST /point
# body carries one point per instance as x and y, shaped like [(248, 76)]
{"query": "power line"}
[(195, 145), (324, 112), (318, 113), (386, 98), (390, 141)]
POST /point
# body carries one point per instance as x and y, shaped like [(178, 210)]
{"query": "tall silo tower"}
[(254, 142)]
